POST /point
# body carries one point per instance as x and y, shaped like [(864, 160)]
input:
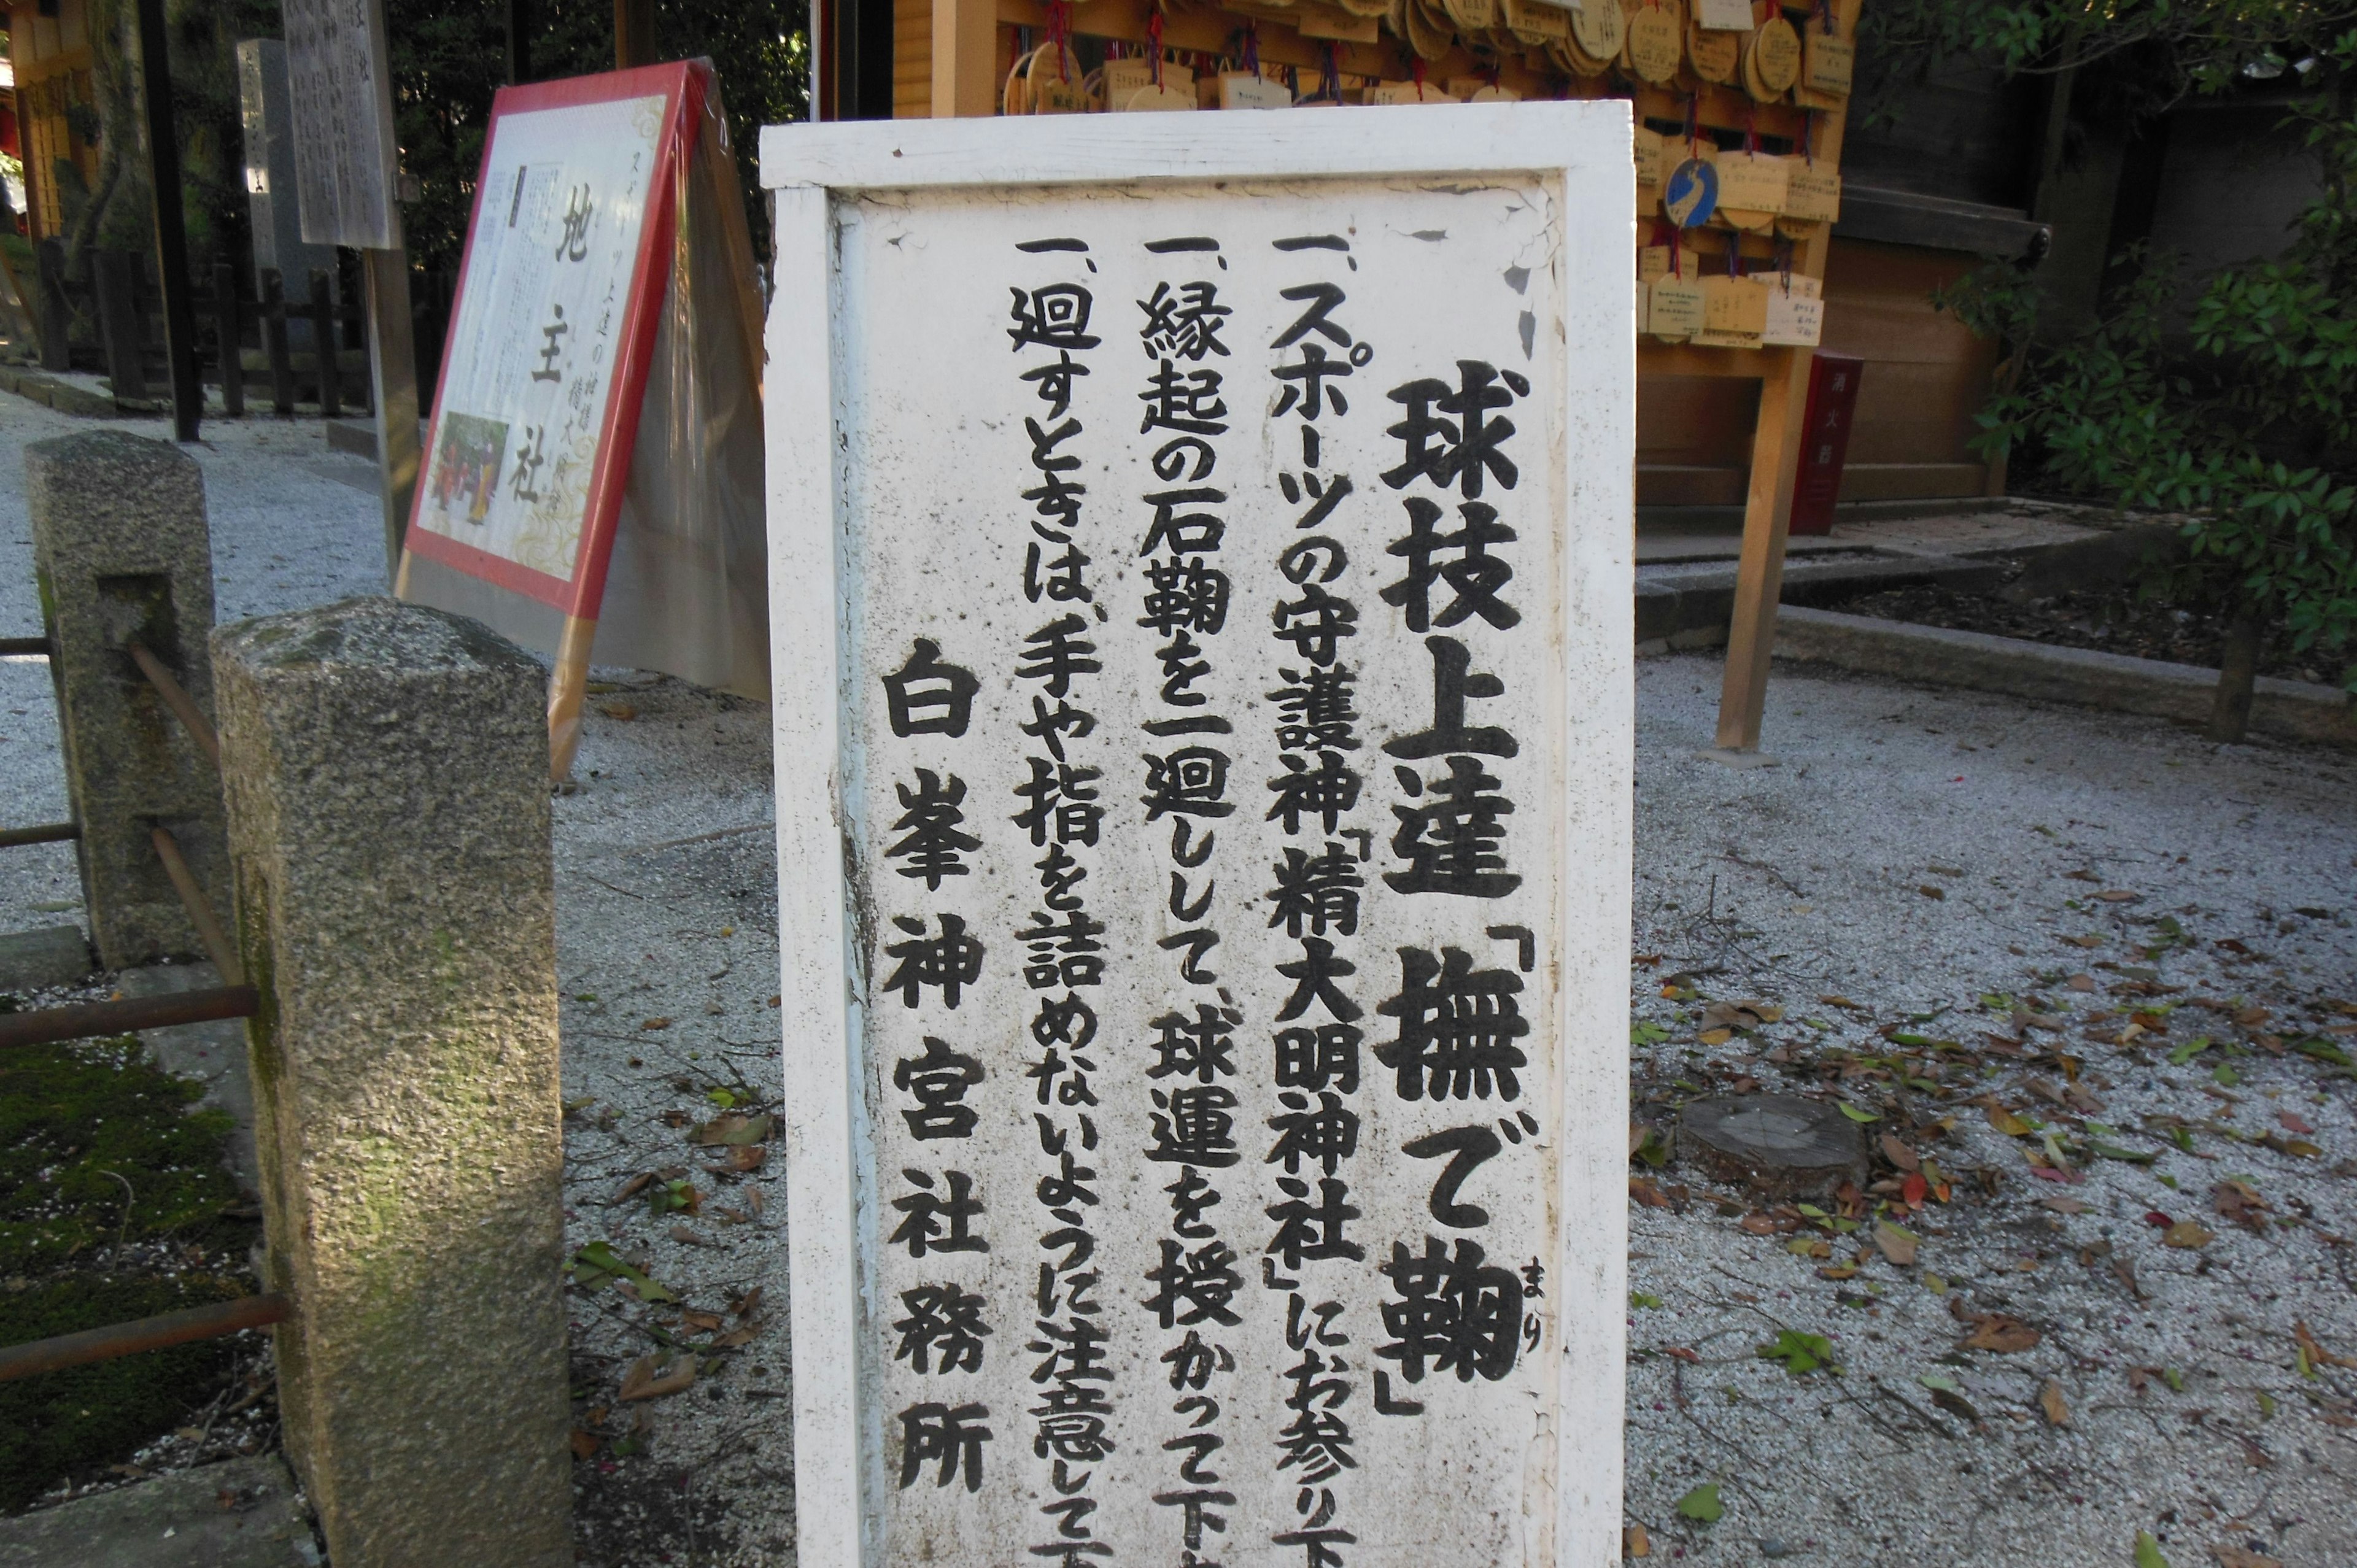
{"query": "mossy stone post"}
[(386, 774), (121, 554)]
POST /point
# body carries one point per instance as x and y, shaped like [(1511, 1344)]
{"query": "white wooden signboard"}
[(1199, 560), (345, 157)]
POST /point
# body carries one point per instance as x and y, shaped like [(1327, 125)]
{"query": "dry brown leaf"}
[(1715, 1036), (2317, 1353), (2086, 941), (2118, 896), (687, 1238), (2189, 1234), (585, 1444), (1637, 1544), (2005, 1122), (632, 1187), (749, 1302), (643, 1382), (1759, 1224), (741, 1160), (742, 1335), (1898, 1245), (735, 1128), (1930, 892), (654, 1023), (622, 712), (2240, 1202), (1645, 1192), (2050, 1400), (2061, 1205), (701, 1321), (1999, 1332), (1899, 1154)]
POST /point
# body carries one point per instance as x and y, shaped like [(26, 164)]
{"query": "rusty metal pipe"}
[(200, 912), (96, 1019), (175, 697), (147, 1334), (47, 832)]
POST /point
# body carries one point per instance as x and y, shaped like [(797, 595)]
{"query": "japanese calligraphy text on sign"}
[(1224, 1045)]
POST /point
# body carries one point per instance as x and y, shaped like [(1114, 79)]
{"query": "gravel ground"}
[(1934, 864)]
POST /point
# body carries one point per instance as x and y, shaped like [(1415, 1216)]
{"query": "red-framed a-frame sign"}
[(572, 249)]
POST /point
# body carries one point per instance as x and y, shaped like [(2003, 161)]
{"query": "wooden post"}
[(393, 363), (229, 332), (965, 49), (274, 343), (1759, 574), (634, 33), (171, 228), (118, 322), (323, 346), (567, 684), (57, 314)]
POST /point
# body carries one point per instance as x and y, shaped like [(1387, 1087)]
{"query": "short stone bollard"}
[(122, 554), (387, 773)]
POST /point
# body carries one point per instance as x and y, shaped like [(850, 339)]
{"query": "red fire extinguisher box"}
[(1824, 440)]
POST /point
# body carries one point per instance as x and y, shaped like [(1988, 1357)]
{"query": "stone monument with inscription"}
[(1201, 563)]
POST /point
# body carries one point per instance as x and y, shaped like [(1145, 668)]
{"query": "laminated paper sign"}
[(1201, 558)]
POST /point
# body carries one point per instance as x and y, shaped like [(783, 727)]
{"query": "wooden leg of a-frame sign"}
[(567, 684), (1759, 577)]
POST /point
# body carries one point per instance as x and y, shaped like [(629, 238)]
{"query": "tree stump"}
[(1778, 1144)]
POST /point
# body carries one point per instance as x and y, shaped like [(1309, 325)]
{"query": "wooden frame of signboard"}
[(969, 60)]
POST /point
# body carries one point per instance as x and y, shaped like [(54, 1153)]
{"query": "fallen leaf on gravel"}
[(1954, 1403), (2317, 1356), (2061, 1205), (2086, 941), (2240, 1557), (1899, 1154), (701, 1321), (1800, 1353), (598, 1266), (686, 1238), (2118, 896), (2156, 1219), (1914, 1191), (620, 713), (1838, 1001), (1855, 1115), (1930, 892), (745, 1305), (1759, 1224), (1682, 1354), (2293, 1122), (743, 1335), (1846, 1272), (585, 1444), (2148, 1551), (654, 1023), (2240, 1202), (632, 1187), (2005, 1122), (2080, 982), (1898, 1243), (1637, 1544), (733, 1129), (2050, 1400), (1646, 1193), (1998, 1332), (2189, 1234), (1702, 1504), (741, 1160), (643, 1382)]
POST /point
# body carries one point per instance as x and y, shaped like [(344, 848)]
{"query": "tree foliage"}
[(449, 59), (2229, 400)]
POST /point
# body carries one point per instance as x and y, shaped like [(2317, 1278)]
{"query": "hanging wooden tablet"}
[(1723, 16), (1428, 30), (1599, 28), (1713, 55), (1811, 192), (1313, 20), (1371, 10), (1796, 313), (1164, 99), (1656, 42), (1734, 312), (1054, 80), (1674, 310), (1533, 24), (1409, 92), (1828, 61), (1248, 90), (1751, 190), (1771, 61)]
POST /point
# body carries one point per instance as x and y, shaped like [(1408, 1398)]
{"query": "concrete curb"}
[(51, 392), (1683, 607), (2282, 710)]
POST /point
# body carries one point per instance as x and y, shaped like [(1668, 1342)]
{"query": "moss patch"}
[(114, 1205)]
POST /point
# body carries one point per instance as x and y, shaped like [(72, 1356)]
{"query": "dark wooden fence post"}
[(274, 343), (118, 322), (228, 333), (324, 333), (57, 314)]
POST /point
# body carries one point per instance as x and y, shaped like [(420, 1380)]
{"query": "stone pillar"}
[(122, 554), (387, 773), (265, 105)]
